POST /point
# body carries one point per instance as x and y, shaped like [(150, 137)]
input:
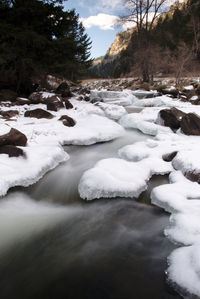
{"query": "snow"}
[(128, 176), (117, 177), (45, 137), (188, 87), (194, 98), (181, 198), (142, 122), (125, 176), (123, 98), (22, 171), (4, 129), (112, 111), (46, 95)]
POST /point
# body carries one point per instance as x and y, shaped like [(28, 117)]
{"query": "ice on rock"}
[(160, 101), (187, 160), (113, 177), (123, 98), (117, 177), (91, 130), (142, 122), (22, 171), (184, 270), (45, 137), (182, 198), (112, 111)]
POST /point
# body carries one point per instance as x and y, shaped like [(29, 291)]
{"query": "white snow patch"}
[(112, 111), (188, 87), (4, 129), (22, 171)]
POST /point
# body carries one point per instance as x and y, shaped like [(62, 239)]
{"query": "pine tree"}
[(39, 37)]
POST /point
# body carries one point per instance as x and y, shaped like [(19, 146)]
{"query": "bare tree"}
[(143, 14)]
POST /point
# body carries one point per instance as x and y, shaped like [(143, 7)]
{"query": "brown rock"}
[(67, 121), (64, 90), (11, 151), (52, 99), (68, 104), (193, 176), (190, 124), (169, 157), (35, 98), (14, 137), (7, 95), (173, 92), (8, 114), (38, 113), (171, 117), (22, 101), (55, 106)]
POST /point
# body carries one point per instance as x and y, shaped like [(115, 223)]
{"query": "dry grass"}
[(92, 80)]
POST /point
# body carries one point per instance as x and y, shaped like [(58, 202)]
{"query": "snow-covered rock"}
[(21, 171)]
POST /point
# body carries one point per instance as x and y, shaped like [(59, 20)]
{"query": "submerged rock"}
[(14, 137), (38, 113)]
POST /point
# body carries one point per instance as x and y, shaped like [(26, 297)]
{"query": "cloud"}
[(107, 6), (103, 21)]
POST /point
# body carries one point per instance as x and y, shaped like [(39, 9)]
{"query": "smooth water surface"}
[(53, 245)]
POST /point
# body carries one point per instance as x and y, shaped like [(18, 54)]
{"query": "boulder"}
[(67, 121), (11, 151), (38, 113), (169, 157), (55, 106), (68, 104), (14, 137), (7, 95), (193, 176), (8, 114), (22, 101), (64, 90), (170, 118), (198, 90), (190, 124), (52, 99), (35, 98), (173, 92)]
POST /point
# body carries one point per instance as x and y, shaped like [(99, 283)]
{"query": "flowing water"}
[(53, 245)]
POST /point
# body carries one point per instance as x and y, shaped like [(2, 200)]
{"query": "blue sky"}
[(99, 17)]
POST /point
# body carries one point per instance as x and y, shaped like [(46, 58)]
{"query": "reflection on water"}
[(60, 247)]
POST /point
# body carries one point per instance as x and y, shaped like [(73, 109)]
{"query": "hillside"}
[(174, 44), (106, 66)]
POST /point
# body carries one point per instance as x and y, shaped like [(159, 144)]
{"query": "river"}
[(53, 245)]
